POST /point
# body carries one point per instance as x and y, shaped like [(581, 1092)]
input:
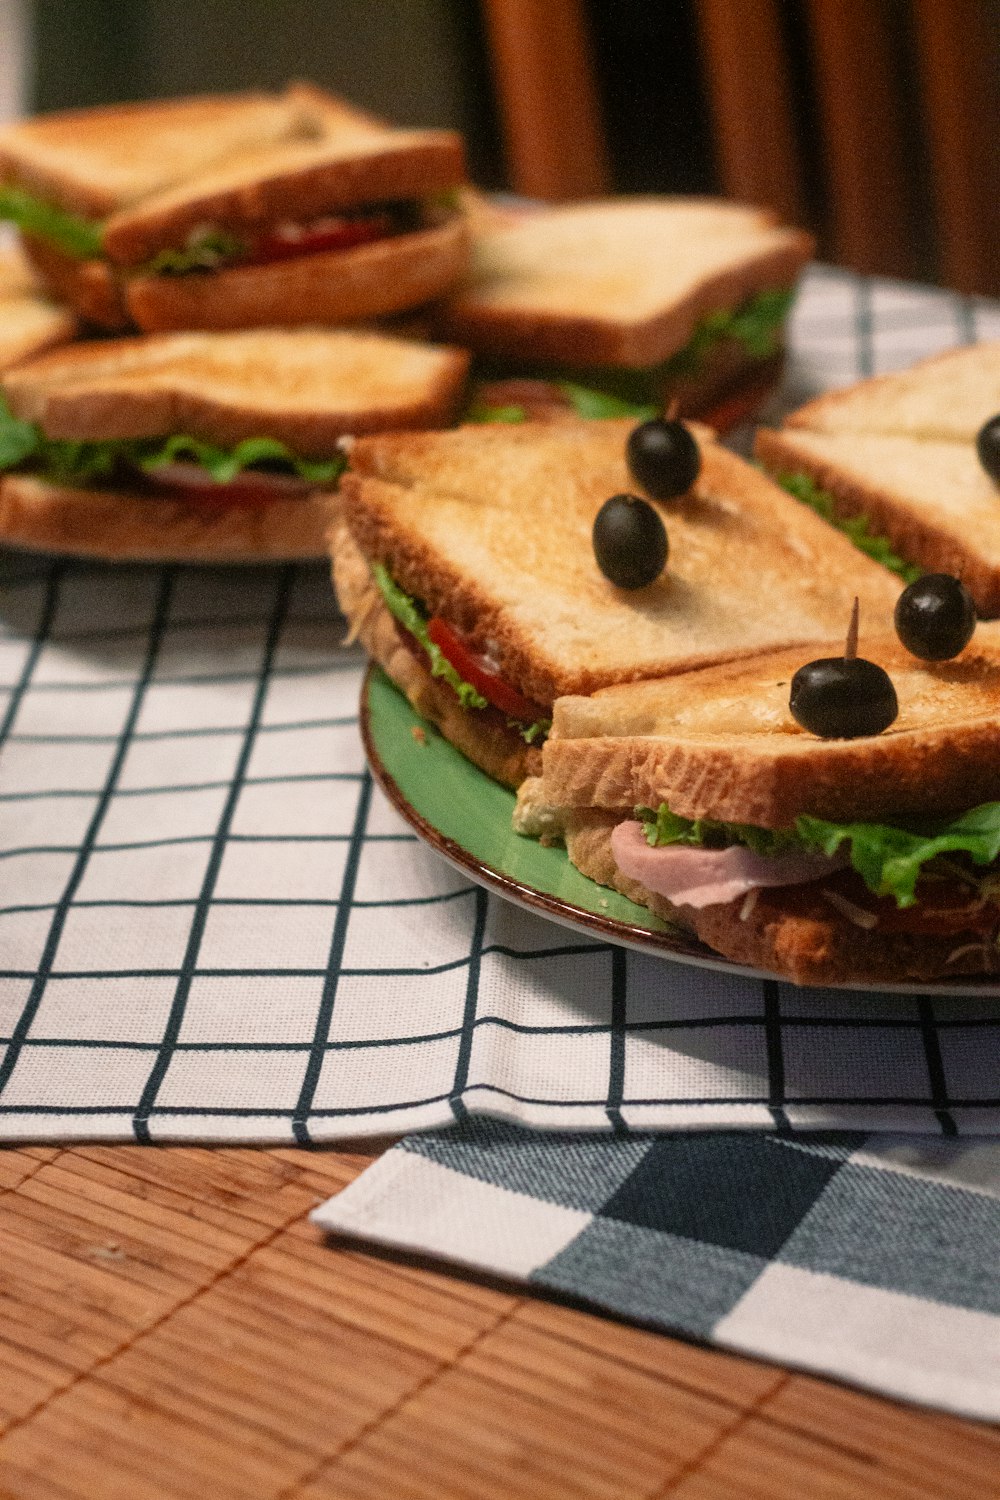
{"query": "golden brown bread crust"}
[(812, 944), (119, 527), (292, 181), (305, 387), (491, 527), (582, 327), (721, 744), (90, 287), (338, 286), (915, 538), (29, 322), (482, 738), (94, 160)]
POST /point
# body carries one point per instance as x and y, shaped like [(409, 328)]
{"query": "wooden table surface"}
[(173, 1326)]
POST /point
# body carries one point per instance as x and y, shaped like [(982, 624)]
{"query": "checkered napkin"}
[(872, 1260), (212, 926)]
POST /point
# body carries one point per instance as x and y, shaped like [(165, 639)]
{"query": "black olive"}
[(663, 457), (935, 617), (842, 698), (630, 541), (988, 447)]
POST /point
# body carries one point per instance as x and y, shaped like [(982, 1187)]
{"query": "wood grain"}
[(173, 1328)]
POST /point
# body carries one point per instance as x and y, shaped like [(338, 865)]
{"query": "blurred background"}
[(872, 122)]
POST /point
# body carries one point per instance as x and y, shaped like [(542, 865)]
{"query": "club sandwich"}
[(653, 299), (465, 562), (208, 447), (895, 461), (824, 861), (235, 211)]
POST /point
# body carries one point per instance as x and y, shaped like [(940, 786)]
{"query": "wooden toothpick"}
[(851, 645)]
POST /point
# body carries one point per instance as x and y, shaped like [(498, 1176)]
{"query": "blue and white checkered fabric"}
[(873, 1260), (213, 927)]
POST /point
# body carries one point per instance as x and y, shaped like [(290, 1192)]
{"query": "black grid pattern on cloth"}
[(213, 926)]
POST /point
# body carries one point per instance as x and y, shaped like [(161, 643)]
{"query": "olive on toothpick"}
[(630, 541), (843, 697), (988, 447)]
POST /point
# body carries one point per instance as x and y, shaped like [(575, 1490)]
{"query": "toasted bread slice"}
[(340, 286), (722, 744), (306, 387), (120, 527), (931, 498), (622, 282), (351, 164), (491, 528), (29, 322), (95, 161), (945, 398)]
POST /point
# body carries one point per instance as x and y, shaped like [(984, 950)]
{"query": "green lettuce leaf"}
[(406, 612), (856, 528), (223, 464), (18, 440), (82, 462), (203, 252), (590, 404), (75, 236), (480, 412), (663, 827), (889, 860)]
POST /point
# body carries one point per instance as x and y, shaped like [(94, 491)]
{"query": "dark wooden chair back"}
[(872, 122)]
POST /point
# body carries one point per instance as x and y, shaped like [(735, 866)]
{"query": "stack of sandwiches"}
[(244, 253)]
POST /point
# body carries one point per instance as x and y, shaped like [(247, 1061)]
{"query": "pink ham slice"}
[(689, 876)]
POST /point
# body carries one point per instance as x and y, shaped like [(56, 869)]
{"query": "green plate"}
[(465, 816)]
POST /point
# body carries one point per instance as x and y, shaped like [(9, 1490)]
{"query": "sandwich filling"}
[(216, 247), (252, 472), (856, 528), (755, 327), (941, 878), (474, 678)]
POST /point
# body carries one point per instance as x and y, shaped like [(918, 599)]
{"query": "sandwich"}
[(465, 563), (229, 212), (652, 299), (822, 860), (29, 321), (898, 462), (204, 447)]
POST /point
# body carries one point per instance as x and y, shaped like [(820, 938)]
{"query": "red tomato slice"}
[(188, 481), (332, 233), (475, 670)]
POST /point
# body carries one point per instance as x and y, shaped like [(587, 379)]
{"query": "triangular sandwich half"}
[(483, 536)]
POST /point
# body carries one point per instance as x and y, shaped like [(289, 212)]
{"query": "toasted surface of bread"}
[(491, 527), (93, 161), (29, 322), (947, 397), (352, 163), (118, 526), (931, 498), (481, 736), (722, 744), (306, 387), (806, 939), (338, 286), (620, 282)]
